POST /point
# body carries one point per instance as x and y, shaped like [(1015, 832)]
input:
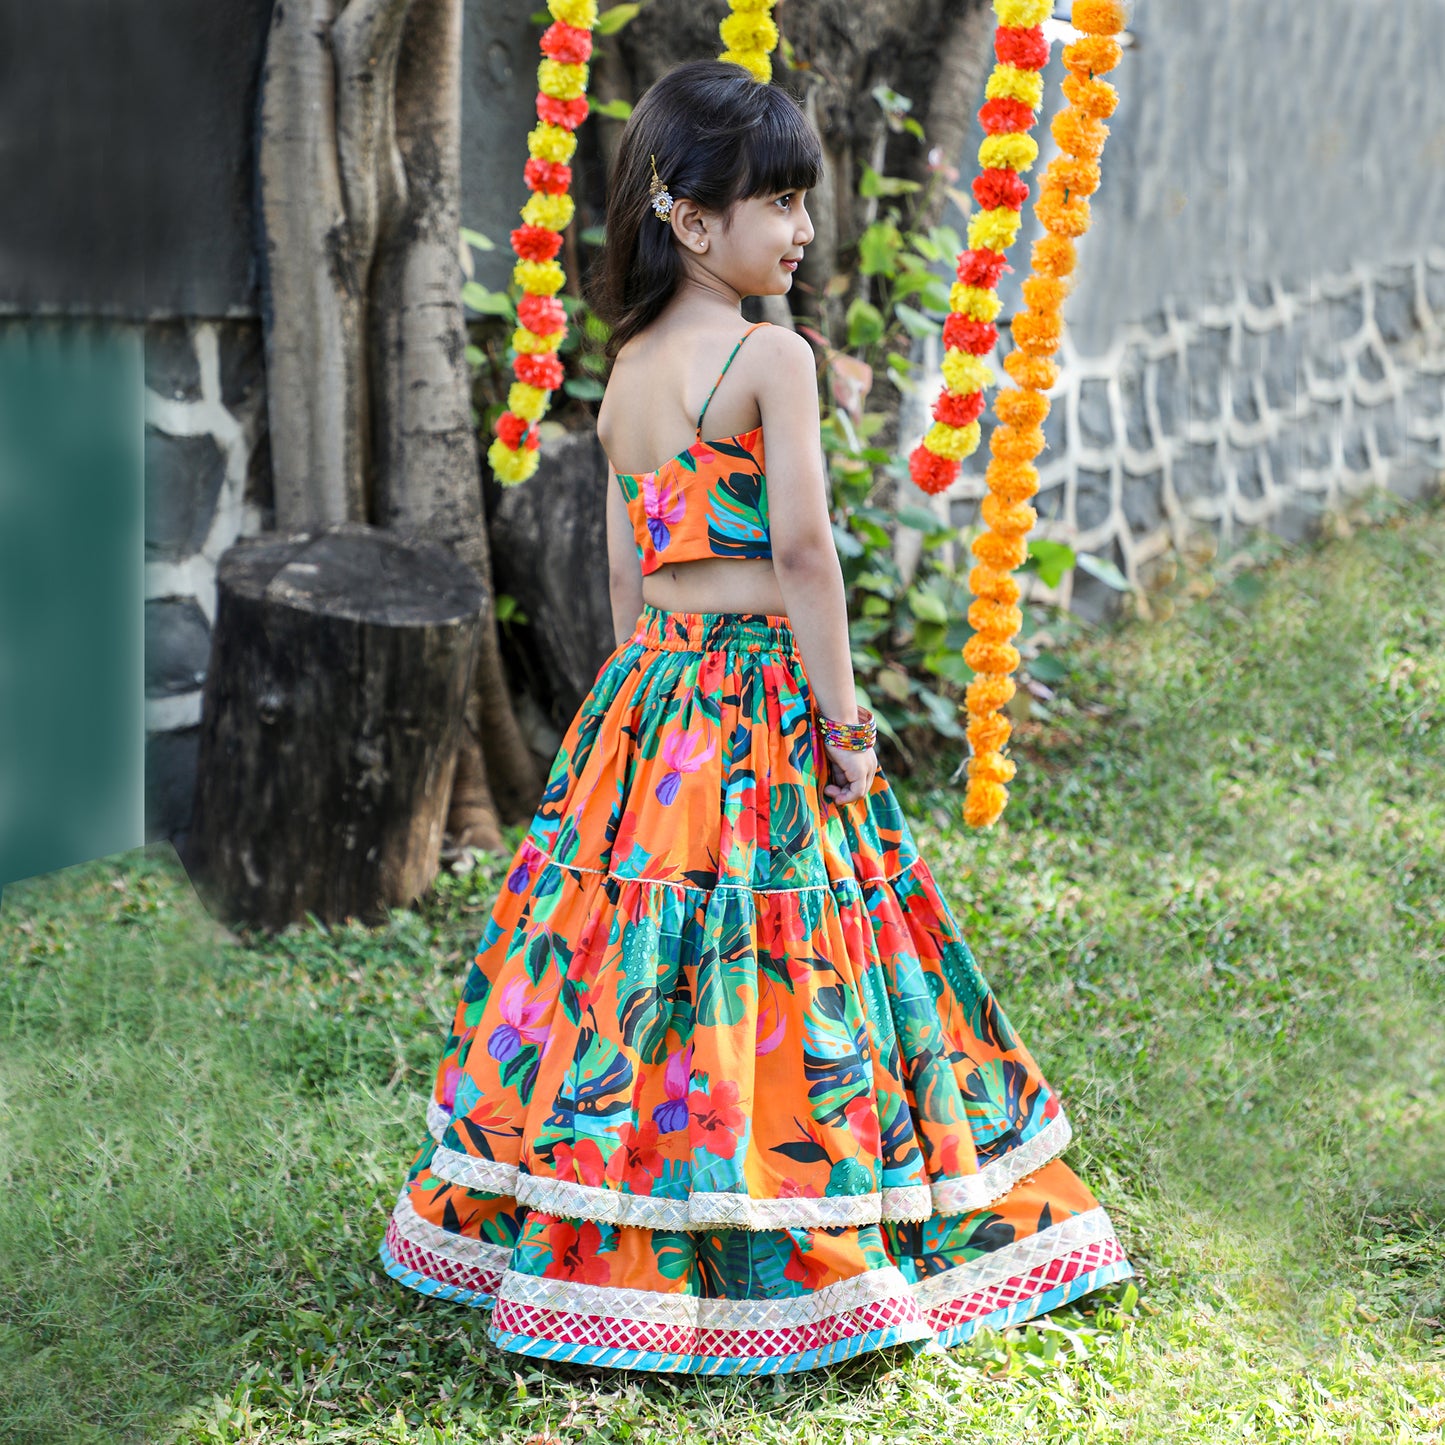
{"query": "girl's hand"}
[(851, 773)]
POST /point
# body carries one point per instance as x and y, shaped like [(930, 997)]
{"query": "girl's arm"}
[(624, 566), (805, 557)]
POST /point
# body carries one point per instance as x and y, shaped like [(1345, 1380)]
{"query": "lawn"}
[(1214, 909)]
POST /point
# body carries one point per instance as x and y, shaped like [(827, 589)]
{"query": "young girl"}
[(725, 1090)]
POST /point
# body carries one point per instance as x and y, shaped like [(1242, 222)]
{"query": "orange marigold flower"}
[(1044, 293), (1054, 256), (983, 654), (988, 693), (1002, 553), (983, 803), (1077, 177), (1098, 17), (987, 734), (1038, 331), (1080, 135), (1092, 55), (1061, 217), (1038, 373), (992, 767), (1091, 97), (1007, 518), (1021, 408), (1014, 444), (993, 619), (1012, 482), (986, 582)]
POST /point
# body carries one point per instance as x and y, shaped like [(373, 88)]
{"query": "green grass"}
[(1215, 910)]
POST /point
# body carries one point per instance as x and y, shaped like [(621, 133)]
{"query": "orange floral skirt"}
[(725, 1089)]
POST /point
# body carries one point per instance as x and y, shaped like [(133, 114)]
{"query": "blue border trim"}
[(426, 1285)]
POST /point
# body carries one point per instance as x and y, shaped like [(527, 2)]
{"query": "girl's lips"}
[(791, 265)]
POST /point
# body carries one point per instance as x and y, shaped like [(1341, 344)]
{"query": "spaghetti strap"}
[(724, 371)]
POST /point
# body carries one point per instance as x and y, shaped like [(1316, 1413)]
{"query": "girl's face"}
[(758, 253)]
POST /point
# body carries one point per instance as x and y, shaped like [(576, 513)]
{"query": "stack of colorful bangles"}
[(855, 737)]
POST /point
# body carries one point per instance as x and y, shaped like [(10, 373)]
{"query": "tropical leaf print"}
[(737, 516)]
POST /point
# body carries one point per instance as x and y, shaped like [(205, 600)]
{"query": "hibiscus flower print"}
[(671, 1114), (663, 507), (519, 1021), (683, 752), (582, 1161), (574, 1252), (719, 1119), (637, 1160)]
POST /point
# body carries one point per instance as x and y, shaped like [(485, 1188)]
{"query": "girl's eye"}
[(788, 198)]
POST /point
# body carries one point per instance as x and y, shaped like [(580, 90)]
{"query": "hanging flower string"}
[(750, 35), (561, 108), (1063, 210), (1014, 92)]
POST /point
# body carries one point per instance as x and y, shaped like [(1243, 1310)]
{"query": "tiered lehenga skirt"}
[(725, 1089)]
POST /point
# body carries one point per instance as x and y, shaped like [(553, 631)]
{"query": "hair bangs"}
[(782, 153)]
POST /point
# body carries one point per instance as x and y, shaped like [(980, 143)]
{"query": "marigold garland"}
[(1014, 92), (750, 35), (1062, 208), (561, 107)]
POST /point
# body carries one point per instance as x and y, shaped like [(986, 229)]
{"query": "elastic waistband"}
[(707, 631)]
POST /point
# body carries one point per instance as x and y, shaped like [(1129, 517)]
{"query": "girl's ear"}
[(689, 224)]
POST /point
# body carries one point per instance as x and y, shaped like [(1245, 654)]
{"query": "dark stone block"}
[(1171, 397), (170, 782), (1284, 459), (1142, 501), (1049, 503), (1283, 381), (1136, 414), (1425, 396), (1196, 471), (243, 363), (1207, 357), (177, 646), (1091, 499), (1249, 475), (1328, 363), (1156, 323), (1356, 449), (1343, 315), (1096, 427), (1319, 436), (1056, 430), (1260, 294), (1244, 401), (1371, 365), (1395, 313), (1388, 438), (183, 477), (171, 367)]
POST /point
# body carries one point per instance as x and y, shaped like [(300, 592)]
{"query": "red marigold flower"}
[(512, 428), (982, 268), (954, 410), (536, 243), (542, 314), (637, 1159), (966, 334), (999, 186), (574, 1252), (569, 114), (569, 44), (930, 471), (1023, 46), (718, 1116), (550, 177), (1003, 115), (543, 368)]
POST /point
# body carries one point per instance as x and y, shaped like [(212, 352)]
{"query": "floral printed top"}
[(710, 500)]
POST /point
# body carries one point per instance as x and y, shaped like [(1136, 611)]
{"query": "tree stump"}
[(332, 711)]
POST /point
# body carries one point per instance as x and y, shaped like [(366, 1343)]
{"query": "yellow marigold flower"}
[(526, 400), (553, 212), (953, 442), (744, 7), (989, 733), (752, 60), (976, 302), (749, 31), (512, 467), (581, 13), (530, 343), (548, 142), (545, 278), (982, 654), (1023, 13), (1001, 553), (985, 582), (561, 81), (994, 230), (1009, 82), (964, 372), (1008, 519), (1014, 151)]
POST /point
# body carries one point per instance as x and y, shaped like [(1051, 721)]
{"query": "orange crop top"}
[(710, 500)]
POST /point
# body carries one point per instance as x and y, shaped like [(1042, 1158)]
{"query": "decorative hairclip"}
[(661, 198)]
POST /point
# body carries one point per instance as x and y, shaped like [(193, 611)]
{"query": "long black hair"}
[(719, 136)]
